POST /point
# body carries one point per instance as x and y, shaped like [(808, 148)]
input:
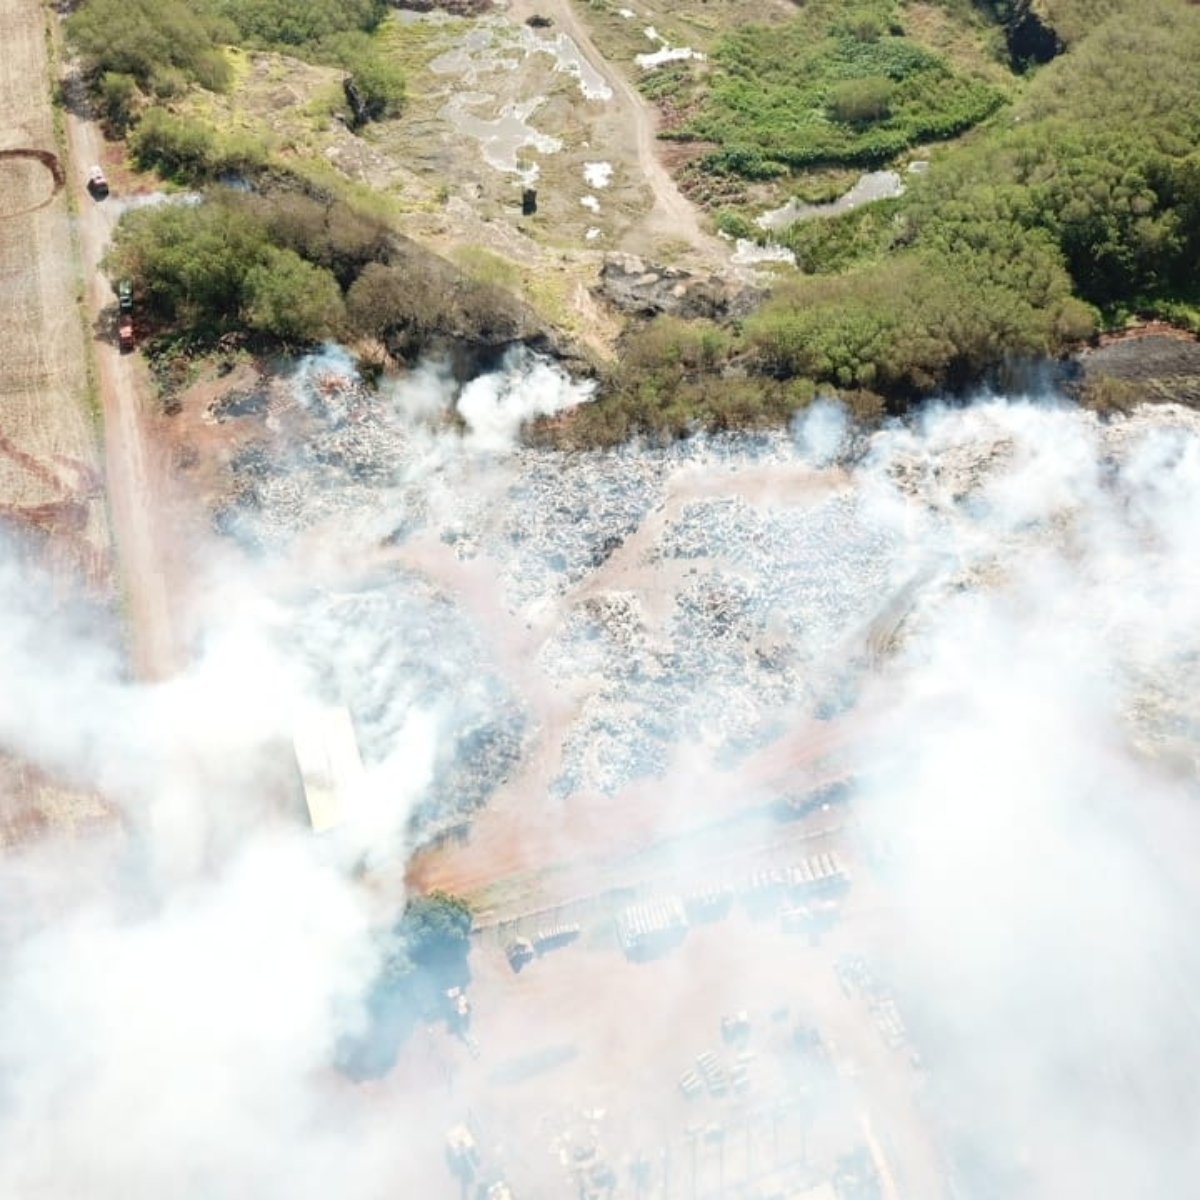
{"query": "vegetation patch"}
[(295, 268), (835, 85), (147, 50)]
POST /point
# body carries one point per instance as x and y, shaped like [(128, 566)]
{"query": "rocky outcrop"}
[(1153, 363), (638, 288)]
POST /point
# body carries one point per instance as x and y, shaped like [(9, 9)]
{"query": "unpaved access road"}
[(50, 462), (673, 215), (53, 517), (137, 478)]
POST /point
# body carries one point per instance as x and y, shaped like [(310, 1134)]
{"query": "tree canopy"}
[(213, 265), (435, 928), (161, 44), (298, 23)]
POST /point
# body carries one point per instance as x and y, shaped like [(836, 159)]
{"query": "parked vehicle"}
[(125, 334), (125, 296), (97, 185)]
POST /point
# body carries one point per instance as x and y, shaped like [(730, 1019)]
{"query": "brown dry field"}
[(52, 504), (50, 450)]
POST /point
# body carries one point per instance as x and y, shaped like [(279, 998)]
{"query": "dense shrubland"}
[(1073, 203), (297, 266), (1077, 208), (839, 83)]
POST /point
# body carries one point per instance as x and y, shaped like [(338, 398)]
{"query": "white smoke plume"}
[(498, 405), (173, 1000)]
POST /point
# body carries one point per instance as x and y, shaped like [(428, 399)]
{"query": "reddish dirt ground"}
[(586, 1048)]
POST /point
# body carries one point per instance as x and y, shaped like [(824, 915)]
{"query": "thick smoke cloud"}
[(1017, 789), (172, 1006)]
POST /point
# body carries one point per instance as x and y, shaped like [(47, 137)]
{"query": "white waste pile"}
[(758, 626), (404, 647), (759, 599), (331, 447), (566, 514)]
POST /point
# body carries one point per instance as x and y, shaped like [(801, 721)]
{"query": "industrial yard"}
[(726, 1051)]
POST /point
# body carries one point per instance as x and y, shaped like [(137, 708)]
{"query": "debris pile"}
[(752, 605)]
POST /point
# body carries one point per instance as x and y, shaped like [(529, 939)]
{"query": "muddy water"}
[(502, 138), (876, 185)]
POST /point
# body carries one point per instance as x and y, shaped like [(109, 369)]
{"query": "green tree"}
[(156, 42), (300, 22), (176, 146), (380, 82), (189, 261), (436, 928), (291, 299), (121, 98)]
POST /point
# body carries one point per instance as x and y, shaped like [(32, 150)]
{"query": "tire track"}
[(50, 162)]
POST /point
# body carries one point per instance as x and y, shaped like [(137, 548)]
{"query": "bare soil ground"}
[(435, 181), (579, 1057)]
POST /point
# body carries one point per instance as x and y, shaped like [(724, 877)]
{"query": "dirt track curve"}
[(673, 215)]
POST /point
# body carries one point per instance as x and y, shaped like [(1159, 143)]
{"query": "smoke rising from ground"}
[(1005, 589)]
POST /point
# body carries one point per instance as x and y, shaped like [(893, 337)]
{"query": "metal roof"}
[(330, 766)]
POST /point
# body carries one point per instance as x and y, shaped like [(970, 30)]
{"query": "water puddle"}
[(875, 185), (498, 45), (748, 253), (503, 137), (665, 53), (569, 58)]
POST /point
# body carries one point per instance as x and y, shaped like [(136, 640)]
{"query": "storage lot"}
[(586, 1063)]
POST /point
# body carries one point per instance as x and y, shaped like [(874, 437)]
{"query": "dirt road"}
[(673, 216), (137, 480), (52, 513)]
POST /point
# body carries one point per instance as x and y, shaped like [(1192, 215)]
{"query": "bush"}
[(736, 225), (380, 83), (330, 233), (291, 299), (859, 101), (120, 98), (188, 262), (436, 928), (192, 151), (157, 43), (300, 22), (178, 147), (830, 87), (213, 266)]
